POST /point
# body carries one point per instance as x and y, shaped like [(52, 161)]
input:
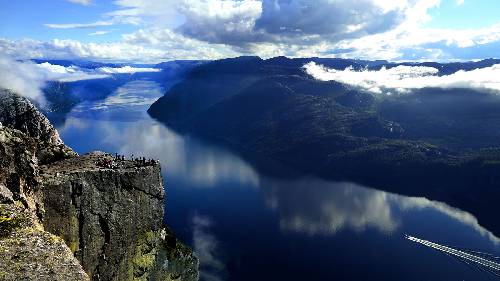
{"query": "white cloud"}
[(81, 2), (212, 29), (412, 42), (404, 78), (143, 7), (297, 22), (220, 21), (328, 18), (460, 2), (178, 46), (67, 74), (147, 46), (105, 51), (381, 29), (126, 69), (72, 49), (27, 78), (156, 12), (113, 20), (79, 25), (74, 73), (100, 32), (23, 78)]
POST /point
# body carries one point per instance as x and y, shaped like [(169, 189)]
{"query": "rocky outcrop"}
[(19, 113), (101, 206), (27, 251), (70, 217)]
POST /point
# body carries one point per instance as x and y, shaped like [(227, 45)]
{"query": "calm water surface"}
[(248, 226)]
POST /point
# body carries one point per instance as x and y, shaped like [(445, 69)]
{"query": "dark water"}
[(248, 226)]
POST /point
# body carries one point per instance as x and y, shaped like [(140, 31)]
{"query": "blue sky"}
[(27, 19), (159, 30), (469, 14)]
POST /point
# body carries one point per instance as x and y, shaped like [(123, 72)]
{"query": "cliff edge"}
[(70, 217)]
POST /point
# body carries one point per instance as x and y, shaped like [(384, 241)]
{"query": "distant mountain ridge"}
[(341, 63), (62, 97), (419, 143), (94, 64), (78, 63), (214, 81)]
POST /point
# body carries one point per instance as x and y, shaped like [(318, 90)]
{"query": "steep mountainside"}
[(438, 143), (69, 217), (272, 106)]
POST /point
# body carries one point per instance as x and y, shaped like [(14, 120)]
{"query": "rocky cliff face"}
[(108, 210), (27, 251), (19, 113), (69, 217)]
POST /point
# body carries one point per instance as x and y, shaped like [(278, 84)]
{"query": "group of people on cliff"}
[(112, 163)]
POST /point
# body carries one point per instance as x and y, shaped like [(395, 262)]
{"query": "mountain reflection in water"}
[(249, 226)]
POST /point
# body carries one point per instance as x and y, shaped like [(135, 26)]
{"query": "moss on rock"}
[(13, 217), (160, 256), (28, 252)]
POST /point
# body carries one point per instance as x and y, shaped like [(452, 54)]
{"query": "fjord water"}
[(248, 225)]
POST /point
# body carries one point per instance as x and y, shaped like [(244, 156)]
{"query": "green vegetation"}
[(12, 217)]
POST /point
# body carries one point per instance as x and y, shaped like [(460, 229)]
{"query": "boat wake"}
[(478, 260)]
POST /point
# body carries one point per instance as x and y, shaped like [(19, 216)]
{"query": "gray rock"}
[(6, 195), (28, 252), (19, 113), (18, 163), (69, 217), (108, 211)]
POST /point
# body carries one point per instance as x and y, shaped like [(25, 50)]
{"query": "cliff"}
[(70, 217), (438, 143), (110, 213), (19, 113)]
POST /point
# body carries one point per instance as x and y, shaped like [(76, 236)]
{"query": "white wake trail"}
[(489, 265)]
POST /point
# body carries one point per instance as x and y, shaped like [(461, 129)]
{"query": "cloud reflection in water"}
[(205, 245), (182, 158), (308, 205), (316, 206)]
